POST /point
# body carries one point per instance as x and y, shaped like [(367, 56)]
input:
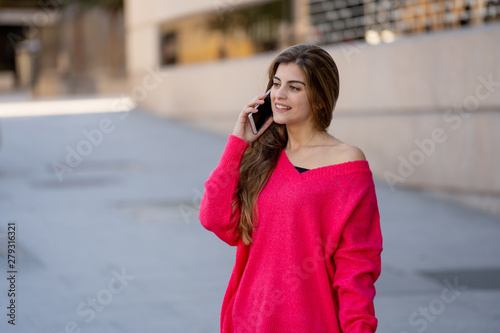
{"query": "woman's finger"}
[(257, 100), (242, 127)]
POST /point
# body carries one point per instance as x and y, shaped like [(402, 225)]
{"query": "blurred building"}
[(54, 47), (420, 79)]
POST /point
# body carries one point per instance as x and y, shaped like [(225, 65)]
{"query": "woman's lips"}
[(281, 108)]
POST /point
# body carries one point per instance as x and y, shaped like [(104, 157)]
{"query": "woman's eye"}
[(294, 88), (275, 84)]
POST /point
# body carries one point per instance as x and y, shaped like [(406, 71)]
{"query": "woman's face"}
[(289, 95)]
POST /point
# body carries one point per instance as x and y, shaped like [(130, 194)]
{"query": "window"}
[(378, 21), (232, 33)]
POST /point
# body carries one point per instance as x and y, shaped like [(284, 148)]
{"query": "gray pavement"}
[(114, 243)]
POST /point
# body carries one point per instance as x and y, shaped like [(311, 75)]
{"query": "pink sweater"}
[(316, 250)]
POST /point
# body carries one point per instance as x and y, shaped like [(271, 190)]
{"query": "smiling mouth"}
[(282, 107)]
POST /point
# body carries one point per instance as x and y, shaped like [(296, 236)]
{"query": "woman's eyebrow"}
[(291, 81)]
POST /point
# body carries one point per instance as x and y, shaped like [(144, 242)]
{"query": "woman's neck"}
[(303, 136)]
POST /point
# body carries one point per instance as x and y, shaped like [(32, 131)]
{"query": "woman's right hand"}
[(243, 129)]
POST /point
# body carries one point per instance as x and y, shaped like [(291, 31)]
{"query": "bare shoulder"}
[(343, 153), (350, 153)]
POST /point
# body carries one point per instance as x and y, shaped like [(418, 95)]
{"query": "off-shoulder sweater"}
[(316, 250)]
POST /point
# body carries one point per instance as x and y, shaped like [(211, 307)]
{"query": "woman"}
[(300, 205)]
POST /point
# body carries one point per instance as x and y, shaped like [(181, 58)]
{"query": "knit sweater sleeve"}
[(357, 259), (216, 211)]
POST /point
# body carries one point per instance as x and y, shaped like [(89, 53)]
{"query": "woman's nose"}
[(280, 94)]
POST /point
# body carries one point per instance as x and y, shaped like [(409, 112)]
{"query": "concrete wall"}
[(421, 108), (426, 109)]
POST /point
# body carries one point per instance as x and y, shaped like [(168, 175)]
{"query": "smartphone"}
[(259, 118)]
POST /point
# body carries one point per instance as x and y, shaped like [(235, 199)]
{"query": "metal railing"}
[(377, 21)]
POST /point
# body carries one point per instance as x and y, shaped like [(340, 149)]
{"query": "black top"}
[(299, 169)]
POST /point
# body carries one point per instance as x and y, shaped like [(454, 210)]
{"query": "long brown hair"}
[(261, 157)]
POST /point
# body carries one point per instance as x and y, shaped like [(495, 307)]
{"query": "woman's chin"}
[(278, 119)]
